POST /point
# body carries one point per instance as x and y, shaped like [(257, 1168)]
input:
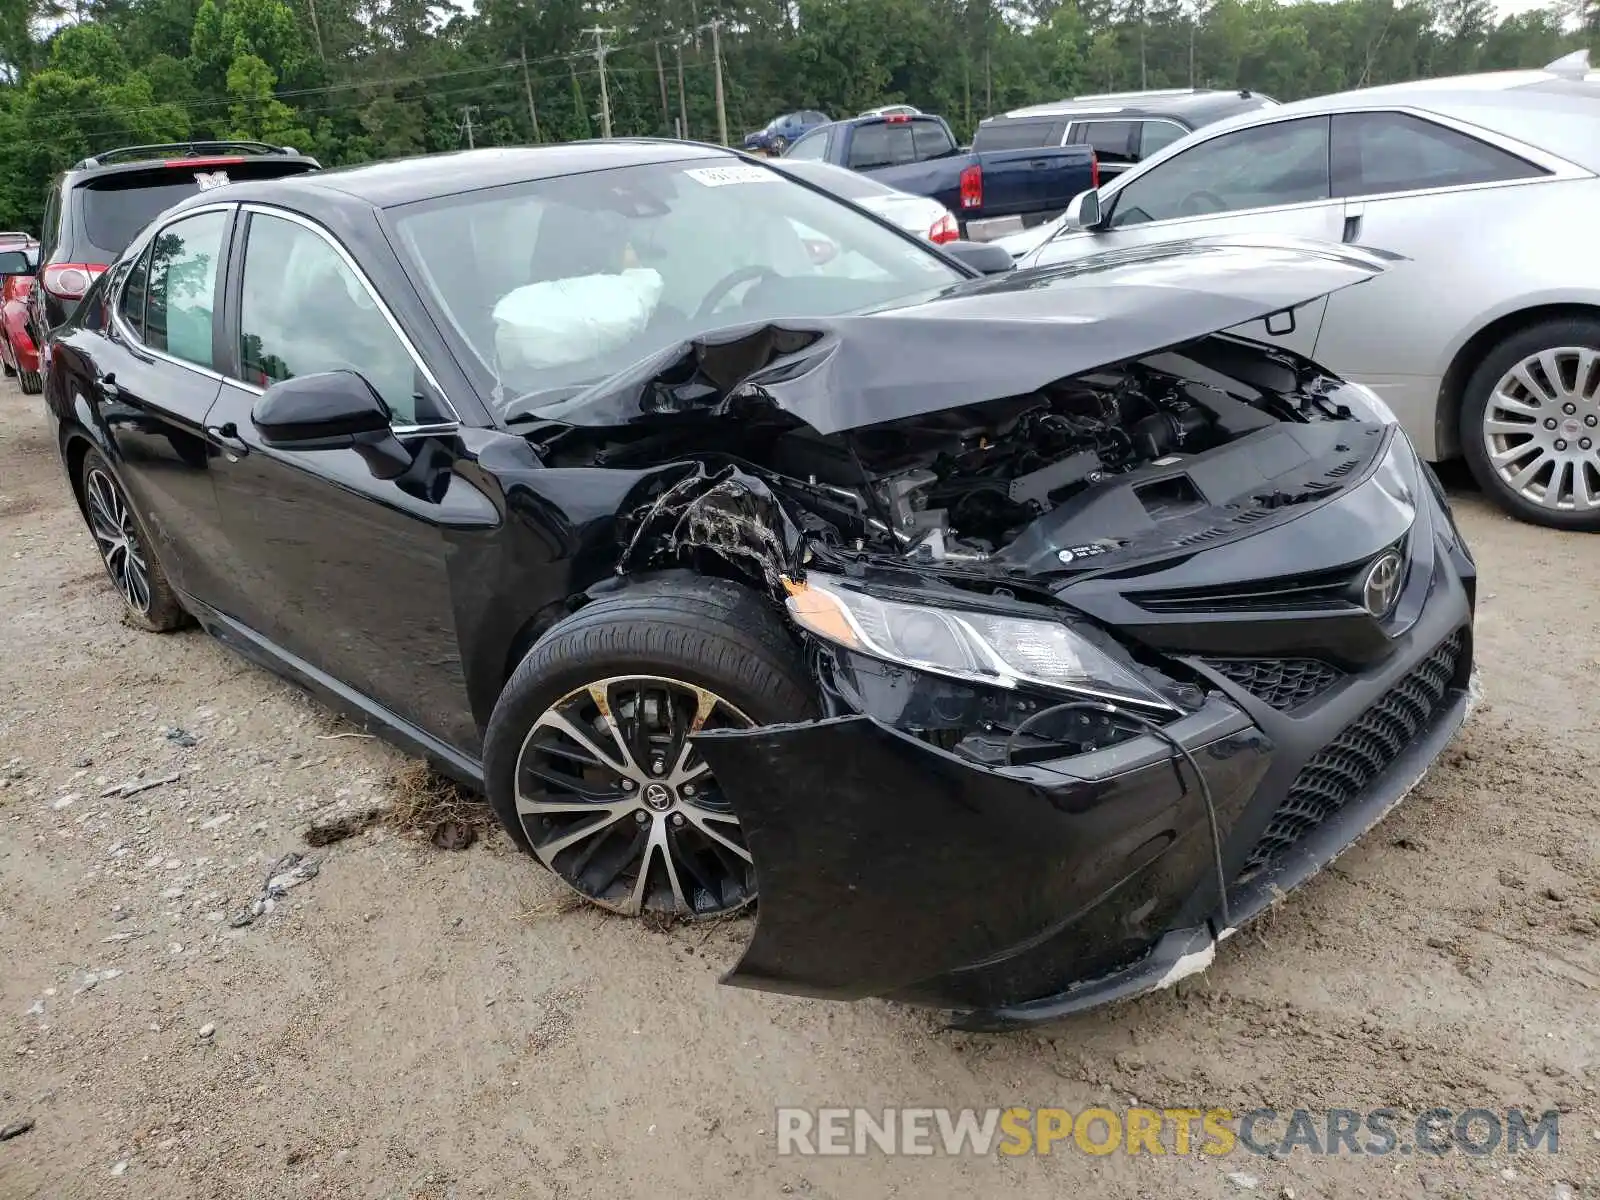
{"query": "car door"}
[(155, 380), (345, 573), (1425, 190), (1270, 178)]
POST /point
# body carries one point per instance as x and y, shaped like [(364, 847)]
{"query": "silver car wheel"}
[(116, 535), (1541, 428), (614, 799)]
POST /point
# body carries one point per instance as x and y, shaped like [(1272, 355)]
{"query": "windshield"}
[(556, 284)]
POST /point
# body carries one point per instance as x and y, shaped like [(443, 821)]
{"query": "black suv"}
[(95, 208), (1123, 127)]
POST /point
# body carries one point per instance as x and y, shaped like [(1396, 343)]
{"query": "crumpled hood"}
[(1000, 336)]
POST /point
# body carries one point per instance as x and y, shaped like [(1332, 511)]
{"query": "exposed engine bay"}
[(1123, 460)]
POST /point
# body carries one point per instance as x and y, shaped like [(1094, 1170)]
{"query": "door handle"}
[(108, 386), (1039, 163), (1352, 228), (227, 436)]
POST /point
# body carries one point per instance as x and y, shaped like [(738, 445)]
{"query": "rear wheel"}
[(779, 145), (1530, 424), (588, 762), (124, 548), (32, 382)]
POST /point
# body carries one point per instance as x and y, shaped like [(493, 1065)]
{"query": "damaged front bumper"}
[(1015, 895)]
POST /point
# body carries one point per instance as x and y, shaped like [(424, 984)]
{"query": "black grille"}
[(1344, 768), (1284, 683)]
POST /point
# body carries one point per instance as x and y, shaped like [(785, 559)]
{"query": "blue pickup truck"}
[(991, 192)]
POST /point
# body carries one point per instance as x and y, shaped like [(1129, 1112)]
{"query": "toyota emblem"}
[(1381, 588)]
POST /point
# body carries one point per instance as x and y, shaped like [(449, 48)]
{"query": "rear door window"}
[(130, 304), (182, 287), (1158, 135), (929, 140), (1113, 141), (1379, 152)]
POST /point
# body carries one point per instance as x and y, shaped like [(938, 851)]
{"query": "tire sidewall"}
[(1574, 331), (165, 611)]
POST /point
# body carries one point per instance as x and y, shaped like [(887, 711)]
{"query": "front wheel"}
[(1530, 424), (588, 762)]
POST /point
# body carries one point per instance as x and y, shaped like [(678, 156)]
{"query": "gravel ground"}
[(416, 1022)]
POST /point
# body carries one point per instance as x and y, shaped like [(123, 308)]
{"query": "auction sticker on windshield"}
[(721, 176)]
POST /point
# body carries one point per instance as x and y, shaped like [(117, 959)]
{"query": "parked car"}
[(1123, 127), (19, 356), (990, 191), (564, 467), (893, 110), (781, 132), (96, 206), (917, 215), (1484, 346)]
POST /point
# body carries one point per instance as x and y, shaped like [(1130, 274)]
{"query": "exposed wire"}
[(1179, 751)]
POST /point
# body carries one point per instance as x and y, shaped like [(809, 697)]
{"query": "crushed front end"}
[(975, 826)]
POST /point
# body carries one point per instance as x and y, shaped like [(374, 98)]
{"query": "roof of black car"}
[(404, 180)]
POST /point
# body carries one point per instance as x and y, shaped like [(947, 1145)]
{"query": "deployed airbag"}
[(563, 321)]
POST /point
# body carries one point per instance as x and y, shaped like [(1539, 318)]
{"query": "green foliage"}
[(356, 80)]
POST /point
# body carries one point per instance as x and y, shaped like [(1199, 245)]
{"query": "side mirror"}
[(1084, 211), (15, 262), (987, 258), (331, 410)]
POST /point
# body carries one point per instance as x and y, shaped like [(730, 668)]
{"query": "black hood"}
[(1000, 336)]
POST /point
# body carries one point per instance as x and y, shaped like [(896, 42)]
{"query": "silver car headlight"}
[(979, 647)]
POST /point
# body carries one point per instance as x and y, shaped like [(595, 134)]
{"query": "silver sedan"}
[(1487, 344)]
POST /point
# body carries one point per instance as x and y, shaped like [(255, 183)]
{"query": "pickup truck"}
[(991, 192)]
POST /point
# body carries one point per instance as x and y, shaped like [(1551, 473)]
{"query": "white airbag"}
[(565, 321)]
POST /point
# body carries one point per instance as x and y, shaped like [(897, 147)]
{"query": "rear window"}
[(116, 207), (1018, 135), (894, 143)]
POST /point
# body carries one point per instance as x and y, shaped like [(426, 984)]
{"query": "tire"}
[(663, 646), (32, 382), (1495, 404), (8, 369), (121, 539), (779, 145)]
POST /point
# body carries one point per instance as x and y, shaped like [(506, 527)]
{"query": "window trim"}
[(254, 208), (1559, 168), (136, 342), (1121, 119)]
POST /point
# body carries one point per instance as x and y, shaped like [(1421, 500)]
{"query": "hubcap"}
[(1542, 429), (615, 800), (111, 523)]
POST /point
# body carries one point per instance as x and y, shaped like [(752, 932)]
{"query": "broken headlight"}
[(987, 648)]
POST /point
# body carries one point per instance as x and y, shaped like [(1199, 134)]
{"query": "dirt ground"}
[(420, 1022)]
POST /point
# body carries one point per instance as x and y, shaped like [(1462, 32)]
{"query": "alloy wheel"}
[(1541, 429), (616, 801), (115, 533)]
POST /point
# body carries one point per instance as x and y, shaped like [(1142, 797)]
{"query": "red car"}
[(19, 259)]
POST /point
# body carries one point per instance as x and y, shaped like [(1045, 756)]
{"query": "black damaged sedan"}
[(1020, 634)]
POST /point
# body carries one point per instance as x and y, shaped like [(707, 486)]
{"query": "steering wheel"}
[(1198, 204), (720, 289)]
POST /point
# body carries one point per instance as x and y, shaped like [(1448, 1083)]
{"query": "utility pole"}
[(683, 104), (661, 77), (466, 123), (716, 57), (600, 60), (527, 88)]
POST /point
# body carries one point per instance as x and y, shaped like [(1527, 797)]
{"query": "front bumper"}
[(1018, 895)]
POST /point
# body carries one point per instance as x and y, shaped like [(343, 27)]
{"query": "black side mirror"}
[(984, 257), (331, 410), (15, 262)]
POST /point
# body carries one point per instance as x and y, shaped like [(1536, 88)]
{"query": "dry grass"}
[(439, 809)]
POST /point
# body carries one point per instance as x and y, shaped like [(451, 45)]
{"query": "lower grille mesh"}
[(1344, 768), (1284, 683)]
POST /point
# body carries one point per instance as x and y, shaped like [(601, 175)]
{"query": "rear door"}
[(155, 380), (1270, 179)]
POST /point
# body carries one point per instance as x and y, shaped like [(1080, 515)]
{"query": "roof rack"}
[(1136, 95), (181, 150)]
